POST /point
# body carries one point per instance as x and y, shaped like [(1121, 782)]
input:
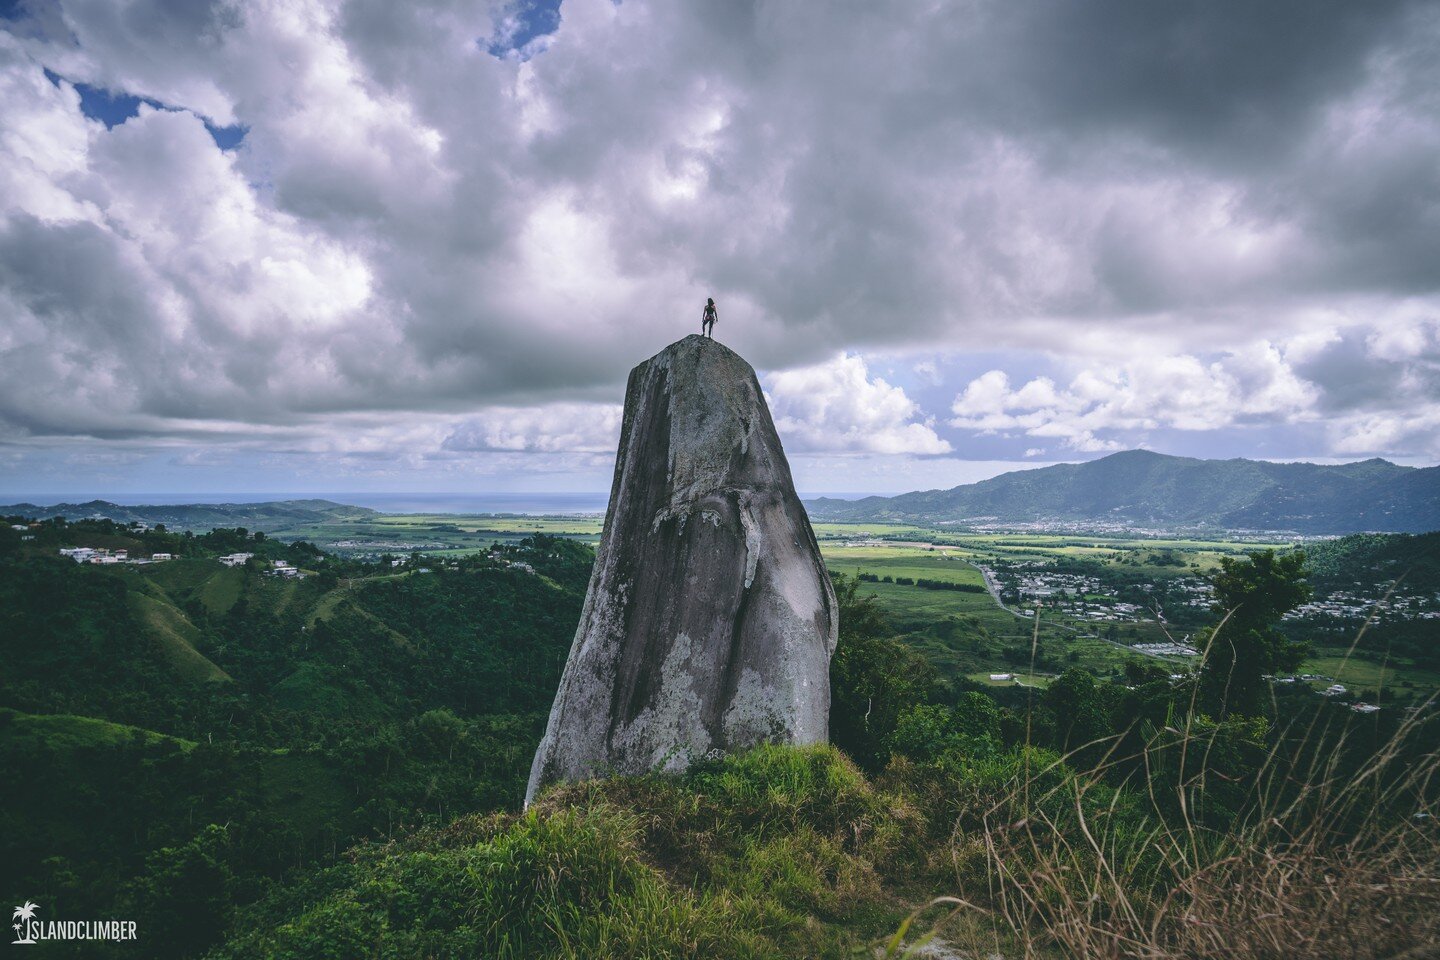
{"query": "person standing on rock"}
[(707, 320)]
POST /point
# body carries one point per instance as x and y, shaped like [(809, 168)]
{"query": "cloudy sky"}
[(319, 245)]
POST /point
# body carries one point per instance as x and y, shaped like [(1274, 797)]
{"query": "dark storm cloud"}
[(415, 225), (1229, 82)]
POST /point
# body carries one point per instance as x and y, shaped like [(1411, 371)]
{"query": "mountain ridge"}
[(267, 515), (1144, 488)]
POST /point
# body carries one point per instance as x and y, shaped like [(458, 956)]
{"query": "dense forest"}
[(179, 734), (331, 766)]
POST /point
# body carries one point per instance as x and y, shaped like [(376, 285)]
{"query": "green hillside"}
[(178, 735), (1142, 488), (1415, 560), (329, 766), (175, 635)]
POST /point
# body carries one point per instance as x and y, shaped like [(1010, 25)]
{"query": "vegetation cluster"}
[(332, 767)]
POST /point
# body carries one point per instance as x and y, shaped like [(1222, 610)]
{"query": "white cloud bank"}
[(415, 230), (837, 407), (1372, 392)]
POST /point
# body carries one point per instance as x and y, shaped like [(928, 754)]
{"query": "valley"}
[(1103, 599)]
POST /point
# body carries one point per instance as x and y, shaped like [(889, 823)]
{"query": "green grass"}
[(62, 733), (177, 636), (1021, 679), (779, 852), (325, 608), (181, 576), (221, 590), (437, 534), (1362, 671), (66, 732), (851, 531)]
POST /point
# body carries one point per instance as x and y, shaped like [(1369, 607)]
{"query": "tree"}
[(874, 679), (1252, 594), (1075, 702), (184, 899)]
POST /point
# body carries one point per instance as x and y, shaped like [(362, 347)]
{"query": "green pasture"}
[(442, 523), (437, 534), (870, 531), (964, 634), (1362, 672), (1136, 553), (938, 563), (1021, 679), (968, 634), (457, 534)]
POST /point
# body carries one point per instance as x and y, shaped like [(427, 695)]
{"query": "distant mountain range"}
[(1144, 489), (272, 515)]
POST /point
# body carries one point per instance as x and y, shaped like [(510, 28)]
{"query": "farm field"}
[(438, 534), (966, 633), (1361, 673), (969, 635)]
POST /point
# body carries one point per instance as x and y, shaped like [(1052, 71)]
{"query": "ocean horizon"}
[(530, 504)]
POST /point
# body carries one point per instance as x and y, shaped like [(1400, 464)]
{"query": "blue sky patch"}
[(112, 109), (524, 20), (227, 138)]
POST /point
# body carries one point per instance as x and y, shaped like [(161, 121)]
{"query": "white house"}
[(282, 568), (235, 559)]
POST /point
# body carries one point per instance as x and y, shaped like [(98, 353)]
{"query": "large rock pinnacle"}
[(710, 619)]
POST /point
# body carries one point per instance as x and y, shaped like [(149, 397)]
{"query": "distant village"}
[(103, 556), (1356, 605), (1086, 597), (1122, 528)]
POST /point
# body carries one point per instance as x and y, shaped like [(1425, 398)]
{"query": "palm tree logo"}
[(23, 914)]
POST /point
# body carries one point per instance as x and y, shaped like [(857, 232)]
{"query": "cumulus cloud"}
[(1369, 391), (838, 407), (560, 427), (1380, 388), (1178, 392), (424, 222)]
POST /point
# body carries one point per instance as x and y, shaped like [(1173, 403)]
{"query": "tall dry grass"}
[(1323, 857)]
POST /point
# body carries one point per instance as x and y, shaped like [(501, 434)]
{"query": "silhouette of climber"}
[(707, 321)]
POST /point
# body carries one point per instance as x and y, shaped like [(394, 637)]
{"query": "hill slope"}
[(267, 516), (1141, 488)]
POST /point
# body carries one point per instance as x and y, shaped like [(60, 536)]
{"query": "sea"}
[(527, 504)]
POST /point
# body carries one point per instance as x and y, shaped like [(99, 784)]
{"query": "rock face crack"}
[(710, 619)]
